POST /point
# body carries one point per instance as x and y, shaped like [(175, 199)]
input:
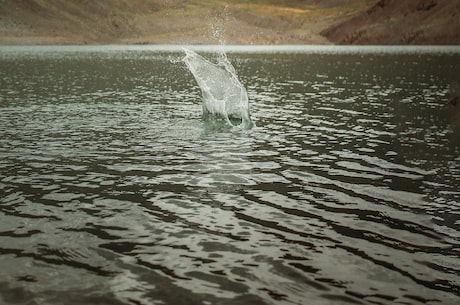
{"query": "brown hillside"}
[(401, 22), (230, 21), (67, 21), (171, 21)]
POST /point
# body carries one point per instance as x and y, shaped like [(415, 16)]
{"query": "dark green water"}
[(114, 191)]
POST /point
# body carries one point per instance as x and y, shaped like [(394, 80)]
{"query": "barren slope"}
[(171, 21), (401, 22)]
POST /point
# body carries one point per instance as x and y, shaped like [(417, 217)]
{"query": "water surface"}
[(114, 191)]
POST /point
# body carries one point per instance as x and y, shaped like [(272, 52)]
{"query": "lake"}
[(114, 190)]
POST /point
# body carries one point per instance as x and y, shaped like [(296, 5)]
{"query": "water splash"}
[(224, 97), (217, 25)]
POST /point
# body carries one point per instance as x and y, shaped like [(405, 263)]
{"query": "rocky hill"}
[(229, 21), (401, 22)]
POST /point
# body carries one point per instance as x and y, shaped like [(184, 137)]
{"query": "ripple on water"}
[(114, 191)]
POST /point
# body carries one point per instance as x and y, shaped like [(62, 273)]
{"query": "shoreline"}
[(242, 48)]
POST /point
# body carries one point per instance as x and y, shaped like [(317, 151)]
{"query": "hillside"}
[(401, 22), (168, 21), (171, 21), (229, 21)]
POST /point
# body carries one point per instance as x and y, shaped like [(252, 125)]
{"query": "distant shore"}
[(424, 22)]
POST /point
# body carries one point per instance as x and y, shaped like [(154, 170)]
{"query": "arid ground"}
[(230, 21)]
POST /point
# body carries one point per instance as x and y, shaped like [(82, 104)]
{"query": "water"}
[(114, 190), (224, 97)]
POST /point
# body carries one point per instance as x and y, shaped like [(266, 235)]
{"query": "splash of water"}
[(224, 97), (217, 25)]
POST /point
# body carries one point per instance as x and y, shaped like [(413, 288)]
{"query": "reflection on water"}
[(114, 191)]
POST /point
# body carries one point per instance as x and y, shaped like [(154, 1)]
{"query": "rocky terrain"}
[(401, 22), (231, 22)]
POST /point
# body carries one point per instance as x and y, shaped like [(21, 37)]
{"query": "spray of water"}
[(224, 97), (217, 25)]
